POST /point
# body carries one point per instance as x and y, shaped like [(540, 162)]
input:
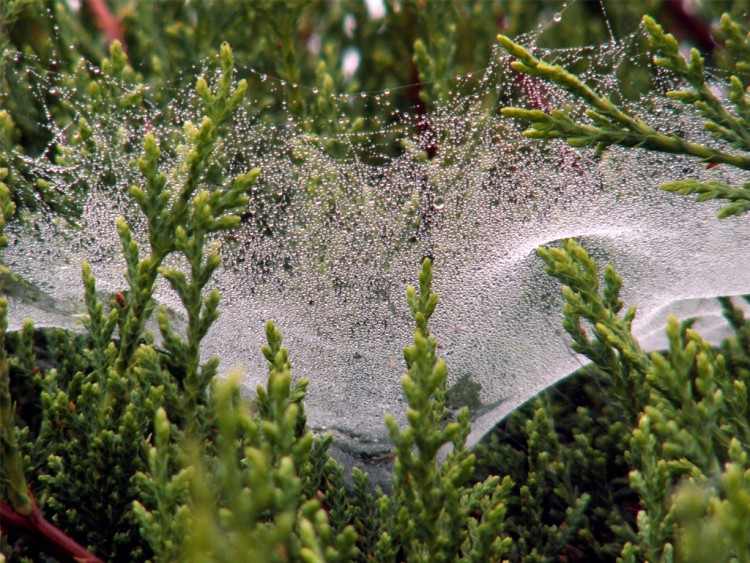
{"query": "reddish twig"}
[(36, 528), (688, 26), (108, 24)]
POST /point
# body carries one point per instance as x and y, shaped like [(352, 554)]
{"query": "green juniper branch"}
[(21, 514), (174, 225), (611, 125), (95, 418), (614, 349), (665, 398), (12, 467), (432, 507)]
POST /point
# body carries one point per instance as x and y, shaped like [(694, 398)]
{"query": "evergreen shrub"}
[(114, 448)]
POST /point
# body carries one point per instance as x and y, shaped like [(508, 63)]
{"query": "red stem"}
[(107, 23), (688, 24), (51, 539)]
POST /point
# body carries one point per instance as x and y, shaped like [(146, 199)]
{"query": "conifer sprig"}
[(666, 398), (613, 348), (177, 224), (19, 512), (244, 497), (611, 125), (433, 509), (108, 401), (12, 479)]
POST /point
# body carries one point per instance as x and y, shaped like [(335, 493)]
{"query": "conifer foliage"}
[(688, 406), (112, 448)]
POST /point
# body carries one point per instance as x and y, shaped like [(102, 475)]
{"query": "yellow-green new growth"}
[(610, 124), (433, 510), (613, 347)]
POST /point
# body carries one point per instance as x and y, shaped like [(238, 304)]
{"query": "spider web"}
[(340, 222)]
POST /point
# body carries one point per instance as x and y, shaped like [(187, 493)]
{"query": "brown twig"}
[(36, 528)]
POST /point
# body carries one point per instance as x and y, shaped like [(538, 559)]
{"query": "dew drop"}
[(557, 18), (438, 203)]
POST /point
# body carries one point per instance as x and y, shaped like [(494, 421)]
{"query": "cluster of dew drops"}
[(341, 217)]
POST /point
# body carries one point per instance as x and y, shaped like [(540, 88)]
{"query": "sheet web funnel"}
[(339, 223)]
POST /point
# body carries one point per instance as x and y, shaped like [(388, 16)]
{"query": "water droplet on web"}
[(557, 18), (438, 203)]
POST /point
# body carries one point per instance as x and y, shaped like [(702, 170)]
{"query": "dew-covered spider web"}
[(340, 221)]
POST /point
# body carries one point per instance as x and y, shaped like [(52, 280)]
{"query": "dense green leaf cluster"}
[(633, 455)]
